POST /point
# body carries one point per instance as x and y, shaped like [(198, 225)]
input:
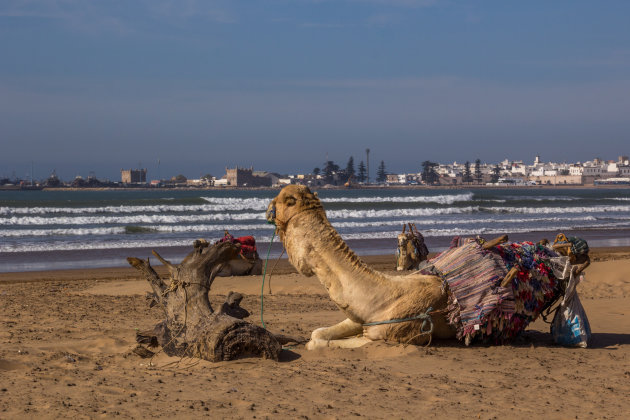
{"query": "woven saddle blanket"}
[(479, 307)]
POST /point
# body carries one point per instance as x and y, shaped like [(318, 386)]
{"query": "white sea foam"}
[(557, 210), (71, 246), (420, 223), (180, 218), (382, 234), (362, 214), (129, 220), (222, 204), (192, 208), (218, 228), (439, 199), (336, 215), (542, 198), (233, 204)]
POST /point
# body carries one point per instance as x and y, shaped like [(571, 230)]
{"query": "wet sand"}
[(66, 340)]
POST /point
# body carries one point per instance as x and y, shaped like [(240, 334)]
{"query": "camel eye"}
[(290, 201)]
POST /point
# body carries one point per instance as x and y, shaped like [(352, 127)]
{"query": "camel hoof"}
[(318, 334)]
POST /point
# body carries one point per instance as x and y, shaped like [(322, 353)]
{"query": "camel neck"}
[(352, 285)]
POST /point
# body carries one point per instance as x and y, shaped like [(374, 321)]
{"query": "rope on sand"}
[(262, 289)]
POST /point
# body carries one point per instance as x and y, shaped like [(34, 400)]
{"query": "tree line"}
[(334, 174), (430, 175)]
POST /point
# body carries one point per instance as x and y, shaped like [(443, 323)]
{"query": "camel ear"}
[(315, 194)]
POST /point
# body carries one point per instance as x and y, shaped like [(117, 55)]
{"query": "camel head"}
[(405, 254), (291, 201), (411, 249)]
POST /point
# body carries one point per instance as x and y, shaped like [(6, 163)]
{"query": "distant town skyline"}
[(161, 173), (99, 86)]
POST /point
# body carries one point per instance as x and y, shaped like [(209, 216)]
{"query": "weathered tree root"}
[(192, 328)]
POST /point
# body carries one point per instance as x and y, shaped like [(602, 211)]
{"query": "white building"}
[(519, 169), (593, 171)]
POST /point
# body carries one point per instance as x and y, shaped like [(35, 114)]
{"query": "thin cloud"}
[(383, 19), (94, 16), (324, 25), (613, 59), (35, 9), (401, 3), (186, 9), (399, 83)]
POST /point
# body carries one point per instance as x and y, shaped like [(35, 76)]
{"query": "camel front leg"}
[(346, 328), (344, 343)]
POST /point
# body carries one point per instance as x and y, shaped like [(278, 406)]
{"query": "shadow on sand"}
[(287, 355), (527, 339), (598, 340)]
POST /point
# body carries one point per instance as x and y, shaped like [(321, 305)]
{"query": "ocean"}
[(44, 230)]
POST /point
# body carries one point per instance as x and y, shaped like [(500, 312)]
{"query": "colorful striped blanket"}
[(479, 307)]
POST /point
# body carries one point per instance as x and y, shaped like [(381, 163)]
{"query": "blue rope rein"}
[(425, 317), (262, 289)]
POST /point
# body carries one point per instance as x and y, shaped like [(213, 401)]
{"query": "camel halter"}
[(281, 225), (399, 254)]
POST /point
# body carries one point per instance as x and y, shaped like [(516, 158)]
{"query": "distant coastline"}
[(332, 187)]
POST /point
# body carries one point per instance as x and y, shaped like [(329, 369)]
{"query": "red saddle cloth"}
[(247, 243)]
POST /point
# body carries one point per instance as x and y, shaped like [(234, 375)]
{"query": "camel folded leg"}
[(346, 328), (344, 343)]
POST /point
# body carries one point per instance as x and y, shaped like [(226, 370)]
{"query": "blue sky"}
[(100, 85)]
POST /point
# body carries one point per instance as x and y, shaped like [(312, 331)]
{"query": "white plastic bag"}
[(570, 325)]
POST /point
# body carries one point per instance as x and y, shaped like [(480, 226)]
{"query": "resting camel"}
[(414, 308), (240, 265), (364, 295), (411, 249)]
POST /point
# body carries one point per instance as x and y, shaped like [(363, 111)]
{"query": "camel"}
[(246, 263), (411, 249), (412, 309), (366, 296), (241, 266)]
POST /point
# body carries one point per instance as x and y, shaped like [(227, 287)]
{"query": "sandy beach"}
[(66, 339)]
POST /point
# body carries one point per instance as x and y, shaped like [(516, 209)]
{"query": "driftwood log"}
[(191, 327)]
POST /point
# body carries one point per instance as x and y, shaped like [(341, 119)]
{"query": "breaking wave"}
[(176, 219), (222, 204), (220, 227), (557, 210)]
